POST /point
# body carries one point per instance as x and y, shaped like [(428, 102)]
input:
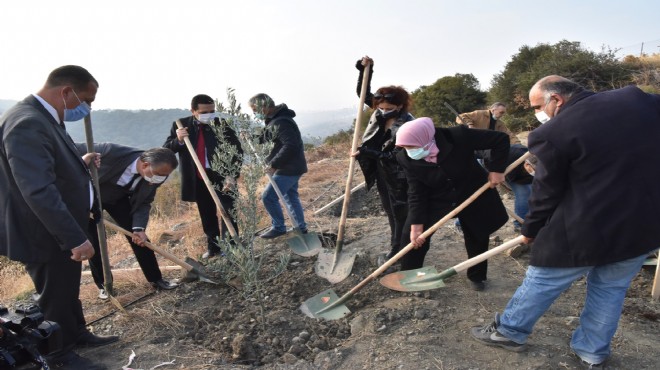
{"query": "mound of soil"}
[(206, 326)]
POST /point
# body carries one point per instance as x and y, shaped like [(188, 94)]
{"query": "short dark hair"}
[(158, 156), (396, 95), (76, 76), (200, 99), (262, 100)]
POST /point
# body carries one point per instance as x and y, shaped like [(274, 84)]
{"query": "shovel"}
[(192, 272), (103, 247), (305, 245), (328, 306), (427, 278), (336, 266), (209, 186)]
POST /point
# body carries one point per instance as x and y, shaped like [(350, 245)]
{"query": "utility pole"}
[(641, 52)]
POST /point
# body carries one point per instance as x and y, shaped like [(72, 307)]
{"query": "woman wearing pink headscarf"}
[(442, 172)]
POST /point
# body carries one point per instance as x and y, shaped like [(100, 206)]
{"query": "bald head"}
[(554, 85), (549, 94)]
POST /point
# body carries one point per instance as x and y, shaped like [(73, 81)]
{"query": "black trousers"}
[(209, 214), (396, 210), (57, 283), (146, 258), (475, 244)]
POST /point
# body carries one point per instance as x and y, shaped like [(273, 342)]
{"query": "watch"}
[(138, 229)]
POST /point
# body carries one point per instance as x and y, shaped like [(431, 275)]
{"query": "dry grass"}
[(175, 226), (14, 281)]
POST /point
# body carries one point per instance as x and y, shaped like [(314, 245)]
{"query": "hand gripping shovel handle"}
[(188, 267), (103, 247), (209, 186), (351, 163), (153, 247), (426, 234)]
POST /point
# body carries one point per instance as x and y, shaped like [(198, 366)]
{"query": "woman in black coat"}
[(442, 172), (377, 153)]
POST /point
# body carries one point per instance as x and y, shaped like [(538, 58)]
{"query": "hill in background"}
[(148, 128)]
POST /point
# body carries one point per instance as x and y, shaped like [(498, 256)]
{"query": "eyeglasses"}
[(388, 97)]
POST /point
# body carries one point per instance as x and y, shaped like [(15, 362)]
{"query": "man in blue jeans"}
[(593, 210), (286, 162)]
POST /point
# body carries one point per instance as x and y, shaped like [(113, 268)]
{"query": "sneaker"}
[(272, 233), (489, 335), (208, 255), (103, 294), (518, 250), (588, 365)]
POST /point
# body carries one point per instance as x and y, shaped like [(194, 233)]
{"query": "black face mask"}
[(389, 114)]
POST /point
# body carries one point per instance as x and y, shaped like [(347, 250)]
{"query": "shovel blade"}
[(316, 306), (197, 273), (342, 267), (425, 278), (306, 245)]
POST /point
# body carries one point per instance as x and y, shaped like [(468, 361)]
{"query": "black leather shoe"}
[(88, 339), (72, 361), (163, 284), (477, 286), (272, 233)]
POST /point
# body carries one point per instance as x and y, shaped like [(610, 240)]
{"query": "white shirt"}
[(128, 174)]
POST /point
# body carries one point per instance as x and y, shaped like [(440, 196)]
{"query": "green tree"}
[(596, 71), (460, 90)]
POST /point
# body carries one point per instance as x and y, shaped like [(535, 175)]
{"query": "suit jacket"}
[(455, 177), (44, 207), (595, 196), (187, 167), (114, 160), (481, 119)]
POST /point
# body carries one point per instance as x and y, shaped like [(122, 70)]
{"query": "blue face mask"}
[(77, 113), (260, 116), (418, 153)]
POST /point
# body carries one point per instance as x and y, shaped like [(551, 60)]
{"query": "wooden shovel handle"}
[(103, 246), (209, 186), (426, 234), (153, 247), (351, 163)]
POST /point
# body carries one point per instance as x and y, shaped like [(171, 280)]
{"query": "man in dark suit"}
[(202, 128), (128, 179), (593, 210), (46, 201)]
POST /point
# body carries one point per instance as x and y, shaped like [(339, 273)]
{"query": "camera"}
[(25, 337)]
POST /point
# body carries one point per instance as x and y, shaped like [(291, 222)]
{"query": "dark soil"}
[(205, 326)]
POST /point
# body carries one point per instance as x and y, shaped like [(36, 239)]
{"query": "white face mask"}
[(154, 179), (206, 117), (542, 117)]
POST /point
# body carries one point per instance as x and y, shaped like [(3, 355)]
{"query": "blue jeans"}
[(288, 185), (606, 289), (520, 206)]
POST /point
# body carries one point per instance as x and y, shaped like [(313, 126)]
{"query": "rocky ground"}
[(205, 326)]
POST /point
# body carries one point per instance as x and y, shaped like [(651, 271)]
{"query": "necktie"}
[(129, 186), (62, 125), (200, 148)]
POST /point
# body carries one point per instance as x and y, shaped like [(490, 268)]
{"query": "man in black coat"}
[(46, 201), (286, 162), (593, 210), (128, 179), (201, 128)]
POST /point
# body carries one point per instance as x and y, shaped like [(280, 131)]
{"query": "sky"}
[(150, 54)]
